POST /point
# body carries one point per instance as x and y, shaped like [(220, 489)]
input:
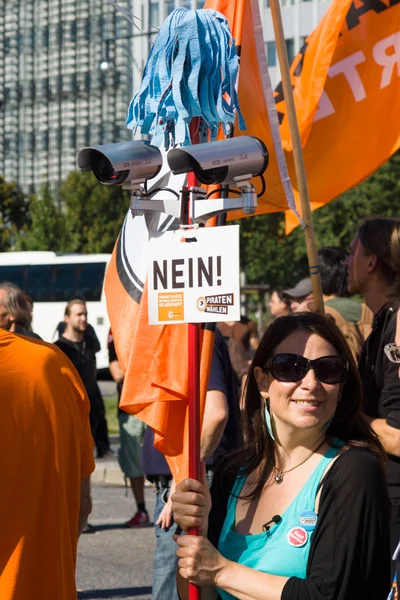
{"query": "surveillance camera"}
[(222, 161), (118, 164)]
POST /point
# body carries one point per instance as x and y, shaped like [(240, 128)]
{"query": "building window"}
[(290, 49), (199, 4), (60, 34), (20, 42), (72, 137), (86, 135), (88, 81), (45, 140), (31, 142), (30, 38), (271, 54), (170, 6), (187, 4), (7, 46), (45, 87), (154, 15), (6, 145), (45, 36), (87, 30), (72, 31)]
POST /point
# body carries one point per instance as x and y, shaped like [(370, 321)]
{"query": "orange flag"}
[(256, 99), (154, 358), (347, 92)]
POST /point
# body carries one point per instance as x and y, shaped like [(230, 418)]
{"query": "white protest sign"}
[(193, 275)]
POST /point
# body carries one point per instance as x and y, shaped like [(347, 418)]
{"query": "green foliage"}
[(14, 214), (91, 216), (93, 213), (268, 256), (47, 227), (88, 221)]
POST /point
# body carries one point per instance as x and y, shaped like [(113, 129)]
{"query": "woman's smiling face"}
[(307, 403)]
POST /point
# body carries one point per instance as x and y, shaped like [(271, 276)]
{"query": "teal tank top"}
[(284, 548)]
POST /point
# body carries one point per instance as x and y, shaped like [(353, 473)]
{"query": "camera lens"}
[(104, 171), (211, 176)]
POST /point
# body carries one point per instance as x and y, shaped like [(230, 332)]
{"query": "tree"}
[(47, 228), (93, 213), (268, 256), (14, 214)]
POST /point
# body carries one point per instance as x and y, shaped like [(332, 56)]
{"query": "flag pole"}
[(194, 382), (297, 154)]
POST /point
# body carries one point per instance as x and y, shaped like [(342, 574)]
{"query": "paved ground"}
[(115, 562)]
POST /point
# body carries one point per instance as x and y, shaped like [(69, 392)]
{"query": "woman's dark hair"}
[(282, 296), (333, 271), (256, 450), (380, 236)]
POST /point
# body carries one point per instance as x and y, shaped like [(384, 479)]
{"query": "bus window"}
[(90, 281), (39, 283), (65, 281), (14, 274)]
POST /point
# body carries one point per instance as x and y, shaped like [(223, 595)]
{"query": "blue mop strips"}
[(191, 72)]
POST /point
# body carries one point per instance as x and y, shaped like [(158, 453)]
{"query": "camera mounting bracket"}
[(200, 208)]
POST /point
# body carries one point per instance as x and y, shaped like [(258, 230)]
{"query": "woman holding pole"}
[(301, 510)]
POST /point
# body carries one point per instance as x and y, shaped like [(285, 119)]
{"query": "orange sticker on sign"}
[(171, 306)]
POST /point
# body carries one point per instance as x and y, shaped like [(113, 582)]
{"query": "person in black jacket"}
[(81, 350), (374, 271), (301, 510)]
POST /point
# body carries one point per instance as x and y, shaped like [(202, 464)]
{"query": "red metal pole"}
[(194, 385)]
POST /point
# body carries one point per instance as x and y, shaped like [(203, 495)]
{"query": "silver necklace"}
[(279, 474)]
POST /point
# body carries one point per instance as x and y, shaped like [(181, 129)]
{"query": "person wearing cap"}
[(301, 296)]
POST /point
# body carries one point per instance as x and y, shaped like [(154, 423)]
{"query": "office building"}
[(66, 81), (69, 68)]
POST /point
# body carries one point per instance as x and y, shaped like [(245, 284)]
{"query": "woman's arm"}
[(200, 563), (350, 547), (349, 554)]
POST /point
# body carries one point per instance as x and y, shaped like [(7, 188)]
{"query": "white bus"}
[(51, 280)]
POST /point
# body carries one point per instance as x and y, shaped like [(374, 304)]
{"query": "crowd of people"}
[(300, 492)]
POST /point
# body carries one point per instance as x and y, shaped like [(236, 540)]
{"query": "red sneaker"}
[(140, 519)]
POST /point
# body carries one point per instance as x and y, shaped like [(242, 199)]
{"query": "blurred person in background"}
[(242, 340), (101, 438), (301, 296), (15, 310), (279, 304), (374, 270), (131, 434), (353, 318)]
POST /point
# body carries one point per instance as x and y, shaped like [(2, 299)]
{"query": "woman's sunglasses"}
[(293, 368)]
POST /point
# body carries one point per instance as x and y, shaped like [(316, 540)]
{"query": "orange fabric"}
[(251, 94), (353, 59), (45, 450), (155, 361)]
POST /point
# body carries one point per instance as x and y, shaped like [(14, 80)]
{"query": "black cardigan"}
[(350, 549)]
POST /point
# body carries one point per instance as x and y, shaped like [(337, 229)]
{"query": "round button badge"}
[(297, 537), (308, 520)]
